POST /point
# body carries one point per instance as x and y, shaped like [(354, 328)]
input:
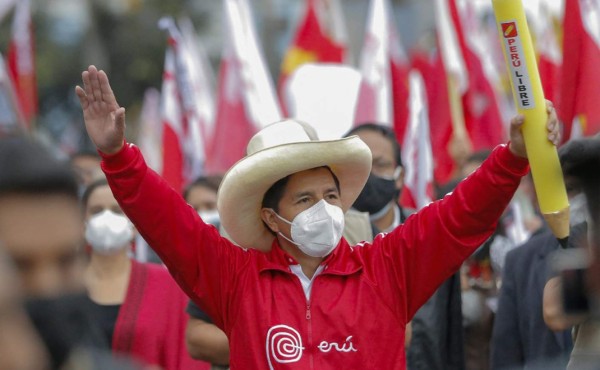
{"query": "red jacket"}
[(361, 301), (151, 322)]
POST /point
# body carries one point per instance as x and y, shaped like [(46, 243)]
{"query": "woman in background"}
[(139, 307)]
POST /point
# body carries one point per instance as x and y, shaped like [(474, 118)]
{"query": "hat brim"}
[(243, 187)]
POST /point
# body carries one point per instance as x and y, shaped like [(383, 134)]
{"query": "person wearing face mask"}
[(204, 340), (380, 195), (296, 295), (436, 337), (138, 307)]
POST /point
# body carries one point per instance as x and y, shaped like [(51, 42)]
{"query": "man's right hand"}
[(104, 119)]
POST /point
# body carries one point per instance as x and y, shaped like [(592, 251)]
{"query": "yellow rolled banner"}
[(529, 100)]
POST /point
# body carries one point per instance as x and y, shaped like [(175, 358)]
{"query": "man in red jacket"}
[(296, 295)]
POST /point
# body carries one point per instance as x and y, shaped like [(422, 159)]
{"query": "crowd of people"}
[(299, 257)]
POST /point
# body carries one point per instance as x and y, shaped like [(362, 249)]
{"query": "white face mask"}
[(317, 230), (108, 232), (210, 217)]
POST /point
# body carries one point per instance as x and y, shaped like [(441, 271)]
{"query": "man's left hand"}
[(517, 143)]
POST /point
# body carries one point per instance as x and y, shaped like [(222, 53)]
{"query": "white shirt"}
[(304, 280)]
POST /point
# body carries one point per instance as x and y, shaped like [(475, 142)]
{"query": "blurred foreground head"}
[(580, 160), (41, 227), (20, 346)]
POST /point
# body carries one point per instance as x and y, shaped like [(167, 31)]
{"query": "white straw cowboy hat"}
[(276, 151)]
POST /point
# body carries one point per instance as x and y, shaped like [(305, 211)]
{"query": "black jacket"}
[(520, 337)]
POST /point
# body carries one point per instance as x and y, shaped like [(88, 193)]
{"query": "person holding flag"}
[(296, 295)]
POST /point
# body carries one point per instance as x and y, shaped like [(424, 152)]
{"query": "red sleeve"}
[(432, 244), (202, 262)]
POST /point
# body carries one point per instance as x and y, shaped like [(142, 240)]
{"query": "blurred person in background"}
[(86, 165), (434, 336), (204, 340), (476, 281), (379, 198), (139, 307)]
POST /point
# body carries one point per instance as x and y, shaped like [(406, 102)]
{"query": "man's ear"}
[(270, 219)]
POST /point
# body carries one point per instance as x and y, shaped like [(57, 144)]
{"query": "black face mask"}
[(376, 194), (64, 323)]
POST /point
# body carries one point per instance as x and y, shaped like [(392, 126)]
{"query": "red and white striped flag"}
[(417, 191), (580, 87), (11, 119), (187, 109), (383, 93), (456, 143), (21, 61), (483, 120), (320, 37), (246, 99), (431, 67), (202, 81), (172, 126)]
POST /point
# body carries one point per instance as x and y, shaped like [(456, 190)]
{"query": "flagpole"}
[(457, 80), (529, 99), (460, 144)]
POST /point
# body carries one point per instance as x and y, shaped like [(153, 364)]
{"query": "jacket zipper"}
[(308, 316), (309, 344)]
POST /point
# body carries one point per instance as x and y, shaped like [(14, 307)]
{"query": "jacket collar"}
[(342, 261)]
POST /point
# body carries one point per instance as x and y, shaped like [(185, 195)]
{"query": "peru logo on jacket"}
[(284, 345)]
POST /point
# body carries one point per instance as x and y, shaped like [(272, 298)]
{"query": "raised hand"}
[(104, 119), (517, 143)]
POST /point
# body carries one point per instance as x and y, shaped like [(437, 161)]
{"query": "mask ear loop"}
[(287, 222), (397, 172), (395, 176), (281, 218)]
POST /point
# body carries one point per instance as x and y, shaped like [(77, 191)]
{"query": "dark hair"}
[(87, 193), (85, 154), (385, 131), (28, 168), (211, 182), (479, 156), (581, 159), (275, 192)]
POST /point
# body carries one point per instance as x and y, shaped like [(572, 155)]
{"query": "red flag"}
[(383, 93), (173, 127), (580, 87), (246, 97), (187, 108), (416, 149), (21, 60), (432, 69), (483, 119), (313, 41)]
